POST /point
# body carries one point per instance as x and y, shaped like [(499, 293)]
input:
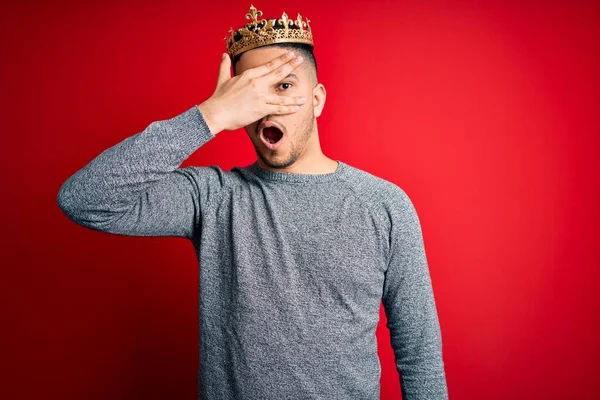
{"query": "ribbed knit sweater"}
[(293, 267)]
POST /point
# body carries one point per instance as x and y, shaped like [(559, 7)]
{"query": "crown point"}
[(259, 32)]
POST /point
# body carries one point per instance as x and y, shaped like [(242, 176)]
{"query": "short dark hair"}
[(303, 49)]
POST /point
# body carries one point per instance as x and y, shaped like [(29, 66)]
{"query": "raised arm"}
[(136, 187), (410, 308)]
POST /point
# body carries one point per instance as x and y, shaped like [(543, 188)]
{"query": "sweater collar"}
[(267, 174)]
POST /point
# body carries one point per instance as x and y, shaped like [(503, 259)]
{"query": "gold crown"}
[(263, 32)]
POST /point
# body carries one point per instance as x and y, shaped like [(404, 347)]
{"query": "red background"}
[(484, 112)]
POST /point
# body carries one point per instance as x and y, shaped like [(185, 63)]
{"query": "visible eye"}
[(285, 83)]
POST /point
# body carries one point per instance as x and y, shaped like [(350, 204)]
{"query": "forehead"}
[(261, 55)]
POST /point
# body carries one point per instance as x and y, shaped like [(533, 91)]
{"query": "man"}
[(296, 251)]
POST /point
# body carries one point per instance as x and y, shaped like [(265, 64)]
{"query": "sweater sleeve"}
[(410, 308), (136, 187)]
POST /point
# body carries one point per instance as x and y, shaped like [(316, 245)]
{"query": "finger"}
[(281, 109), (270, 66), (224, 69), (283, 71), (284, 100)]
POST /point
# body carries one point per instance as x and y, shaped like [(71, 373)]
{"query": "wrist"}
[(210, 112)]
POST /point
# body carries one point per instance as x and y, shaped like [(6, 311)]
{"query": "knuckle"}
[(269, 65)]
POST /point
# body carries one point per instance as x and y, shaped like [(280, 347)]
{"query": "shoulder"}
[(387, 197), (208, 182), (206, 175), (390, 202)]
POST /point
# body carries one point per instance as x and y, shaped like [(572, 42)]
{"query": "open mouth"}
[(271, 137), (272, 134)]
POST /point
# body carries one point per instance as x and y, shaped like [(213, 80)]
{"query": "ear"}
[(319, 95)]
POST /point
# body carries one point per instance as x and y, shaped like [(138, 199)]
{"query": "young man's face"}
[(298, 126)]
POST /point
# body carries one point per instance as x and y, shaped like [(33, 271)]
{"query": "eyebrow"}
[(292, 75)]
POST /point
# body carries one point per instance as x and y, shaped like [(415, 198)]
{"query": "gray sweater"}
[(293, 267)]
